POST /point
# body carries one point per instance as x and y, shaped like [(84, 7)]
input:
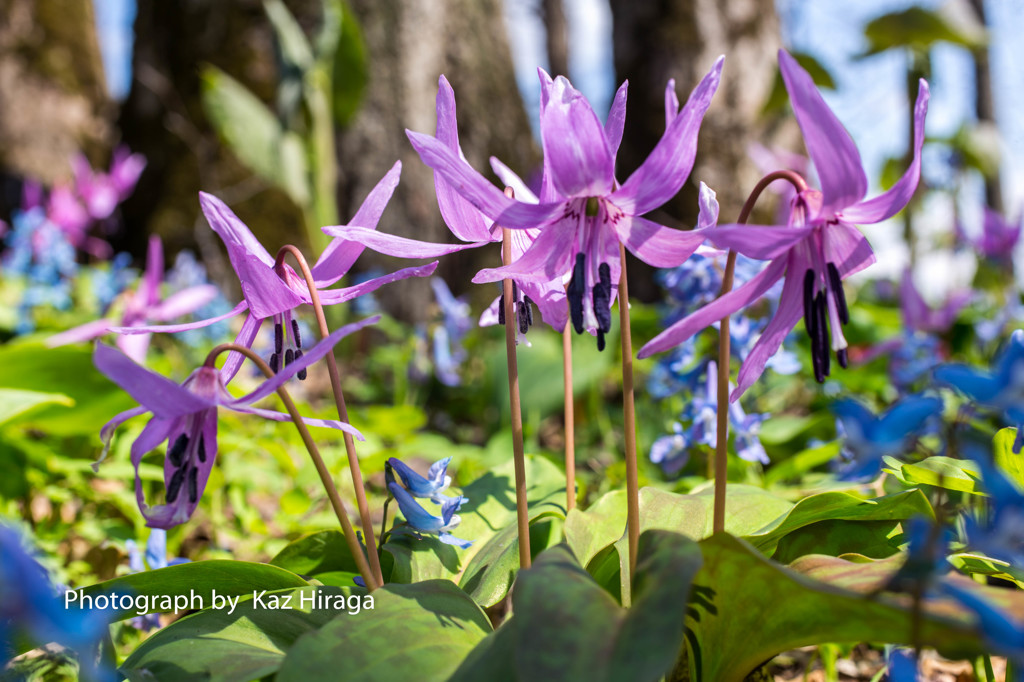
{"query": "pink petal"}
[(657, 245), (489, 317), (616, 120), (393, 245), (170, 328), (763, 242), (830, 147), (551, 301), (508, 178), (671, 102), (461, 217), (85, 332), (892, 202), (844, 245), (728, 304), (163, 397), (285, 417), (236, 236), (661, 175), (547, 259), (107, 432), (134, 346), (334, 296), (482, 194), (707, 200), (786, 316), (336, 260), (574, 142), (246, 336), (149, 288), (184, 302)]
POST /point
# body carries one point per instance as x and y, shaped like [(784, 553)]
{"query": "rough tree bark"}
[(681, 39)]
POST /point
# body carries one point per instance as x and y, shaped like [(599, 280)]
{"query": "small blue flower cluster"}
[(446, 352), (187, 273), (417, 518), (43, 257)]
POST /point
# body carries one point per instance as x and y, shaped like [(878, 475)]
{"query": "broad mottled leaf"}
[(944, 472), (414, 632), (245, 645), (752, 609), (839, 506), (196, 579), (490, 574)]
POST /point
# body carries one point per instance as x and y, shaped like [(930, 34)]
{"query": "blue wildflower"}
[(1001, 390), (420, 520), (31, 607), (1001, 536), (156, 557), (675, 371), (431, 487), (1001, 633), (188, 273), (902, 664), (869, 438), (108, 283), (670, 452)]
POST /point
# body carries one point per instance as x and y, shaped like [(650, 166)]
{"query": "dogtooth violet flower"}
[(143, 305), (185, 416), (586, 213), (474, 229), (268, 294), (818, 249), (998, 238), (1001, 390), (868, 437), (919, 316)]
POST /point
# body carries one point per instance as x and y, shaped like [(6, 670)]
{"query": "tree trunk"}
[(681, 39)]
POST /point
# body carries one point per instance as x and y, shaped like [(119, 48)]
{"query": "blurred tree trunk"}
[(409, 44), (984, 105), (53, 101), (557, 37), (681, 39)]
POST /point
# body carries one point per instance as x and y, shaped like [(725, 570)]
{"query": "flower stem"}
[(724, 351), (339, 400), (570, 417), (629, 418), (325, 477), (522, 509)]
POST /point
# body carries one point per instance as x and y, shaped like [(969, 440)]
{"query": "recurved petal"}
[(546, 260), (183, 302), (85, 332), (509, 178), (786, 316), (198, 324), (616, 121), (575, 145), (716, 310), (981, 386), (890, 203), (835, 156), (671, 102), (707, 201), (393, 245), (337, 258), (246, 336), (764, 242), (847, 247), (164, 398), (107, 432), (265, 291), (550, 300), (657, 245), (662, 173), (475, 188), (285, 417), (333, 296), (238, 238), (906, 417), (149, 287)]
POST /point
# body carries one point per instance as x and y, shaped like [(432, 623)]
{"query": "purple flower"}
[(583, 213), (998, 236), (269, 292), (1000, 390), (100, 192), (917, 314), (141, 307), (817, 250), (185, 417), (471, 226)]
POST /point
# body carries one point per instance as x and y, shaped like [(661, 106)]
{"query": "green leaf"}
[(491, 508), (67, 371), (247, 644), (1011, 464), (839, 506), (351, 68), (415, 632), (944, 472), (752, 609), (978, 564), (293, 47), (322, 552), (196, 579), (566, 627), (254, 134), (870, 539), (15, 402), (919, 28), (794, 466)]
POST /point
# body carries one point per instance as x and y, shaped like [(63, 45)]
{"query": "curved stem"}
[(339, 400), (724, 350), (629, 418), (522, 508), (570, 420), (325, 477)]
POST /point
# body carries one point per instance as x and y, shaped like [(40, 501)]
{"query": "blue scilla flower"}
[(676, 371), (108, 283), (436, 481), (156, 557), (744, 333), (31, 607), (1001, 633), (1001, 390), (1001, 534), (41, 254), (671, 452), (420, 520), (902, 664), (868, 438), (913, 358)]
